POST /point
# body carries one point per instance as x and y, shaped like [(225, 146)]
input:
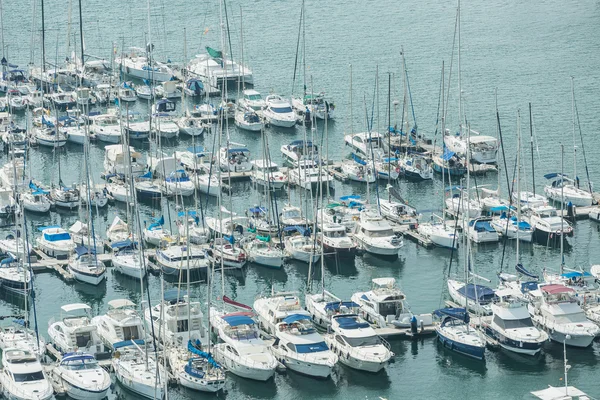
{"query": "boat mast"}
[(532, 158), (442, 157), (81, 38), (460, 111), (518, 182), (389, 164), (562, 210), (575, 180)]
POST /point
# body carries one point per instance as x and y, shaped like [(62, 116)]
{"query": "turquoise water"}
[(528, 51)]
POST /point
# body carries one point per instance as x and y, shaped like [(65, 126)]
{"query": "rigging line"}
[(510, 191), (298, 46), (587, 172), (450, 71), (228, 32)]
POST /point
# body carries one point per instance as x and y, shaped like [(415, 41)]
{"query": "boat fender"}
[(413, 325)]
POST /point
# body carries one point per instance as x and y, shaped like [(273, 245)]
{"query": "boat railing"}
[(248, 361)]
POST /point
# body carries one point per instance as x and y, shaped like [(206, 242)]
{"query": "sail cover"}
[(214, 53)]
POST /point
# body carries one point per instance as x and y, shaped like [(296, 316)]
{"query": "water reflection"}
[(452, 363)]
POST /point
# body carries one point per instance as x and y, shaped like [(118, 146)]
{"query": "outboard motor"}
[(414, 326)]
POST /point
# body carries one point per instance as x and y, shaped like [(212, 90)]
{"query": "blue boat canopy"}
[(447, 155), (528, 286), (259, 210), (301, 143), (7, 260), (553, 175), (336, 305), (521, 269), (454, 313), (480, 293), (351, 322), (174, 295), (126, 343), (56, 237), (296, 228), (295, 317), (350, 197), (124, 244), (501, 208), (239, 150), (191, 213), (358, 159), (236, 320), (311, 348), (576, 274), (197, 149), (81, 250)]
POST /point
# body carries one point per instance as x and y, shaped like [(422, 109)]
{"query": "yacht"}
[(82, 377), (292, 216), (75, 331), (235, 158), (548, 225), (155, 234), (415, 167), (297, 343), (121, 323), (115, 161), (106, 127), (22, 376), (384, 306), (55, 242), (127, 259), (248, 120), (398, 212), (137, 126), (178, 183), (135, 63), (252, 99), (86, 267), (278, 112), (554, 309), (176, 320), (511, 326), (217, 69), (260, 222), (530, 199), (192, 126), (563, 189), (177, 260), (482, 149), (136, 370), (512, 229), (335, 240), (65, 197), (300, 150), (308, 175), (267, 173), (366, 144), (302, 247), (358, 170), (375, 235), (476, 298), (323, 305), (316, 105), (460, 203), (261, 251), (449, 163), (242, 351), (454, 332), (357, 344), (480, 230)]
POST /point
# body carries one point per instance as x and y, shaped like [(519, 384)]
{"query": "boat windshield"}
[(254, 97), (571, 318), (282, 110), (29, 376), (376, 234), (363, 341), (311, 348), (390, 308), (80, 364), (513, 323)]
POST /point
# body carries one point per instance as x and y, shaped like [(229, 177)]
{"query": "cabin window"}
[(83, 339), (234, 351), (29, 377), (340, 340), (182, 325), (291, 346), (386, 309), (518, 323), (130, 333), (363, 341)]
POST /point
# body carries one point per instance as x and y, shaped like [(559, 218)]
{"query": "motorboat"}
[(415, 167), (262, 251), (223, 253), (455, 333), (375, 235), (439, 233), (315, 104), (511, 228), (178, 183), (136, 126), (345, 212), (22, 376), (302, 247), (278, 112), (248, 120), (511, 326), (563, 189), (194, 88), (300, 150), (74, 331), (115, 161), (335, 240), (83, 96), (481, 148), (135, 63), (252, 99), (193, 159), (235, 158), (178, 261), (168, 90), (137, 371), (323, 305), (14, 277), (65, 197), (218, 69), (126, 93), (55, 242), (366, 144), (480, 230), (8, 205), (148, 189), (127, 259), (62, 100), (17, 336), (267, 173), (86, 267), (121, 323), (104, 93), (106, 127), (176, 320), (82, 377), (461, 203), (358, 170), (476, 298), (357, 344), (118, 230), (242, 351), (548, 225), (292, 216), (297, 343), (385, 306), (308, 175), (554, 309), (491, 202)]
